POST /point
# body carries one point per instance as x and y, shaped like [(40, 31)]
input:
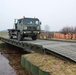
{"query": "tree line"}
[(68, 30)]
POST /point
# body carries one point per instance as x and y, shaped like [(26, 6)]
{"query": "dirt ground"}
[(13, 55)]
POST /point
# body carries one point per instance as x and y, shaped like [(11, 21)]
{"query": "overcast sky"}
[(55, 13)]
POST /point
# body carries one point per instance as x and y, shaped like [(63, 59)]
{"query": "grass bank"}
[(52, 64)]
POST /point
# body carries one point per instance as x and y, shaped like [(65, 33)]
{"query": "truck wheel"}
[(34, 37), (11, 37), (19, 37)]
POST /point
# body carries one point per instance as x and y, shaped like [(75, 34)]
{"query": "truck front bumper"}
[(31, 32)]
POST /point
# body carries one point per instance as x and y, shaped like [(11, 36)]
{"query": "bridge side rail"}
[(24, 45)]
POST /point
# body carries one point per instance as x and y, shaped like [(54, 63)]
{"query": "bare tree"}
[(65, 30), (71, 31), (47, 28), (75, 32)]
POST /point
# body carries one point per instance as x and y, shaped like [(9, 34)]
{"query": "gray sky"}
[(55, 13)]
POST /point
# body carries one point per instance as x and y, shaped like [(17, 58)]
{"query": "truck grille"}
[(32, 28), (29, 28)]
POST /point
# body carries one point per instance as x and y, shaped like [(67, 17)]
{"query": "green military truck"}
[(25, 27)]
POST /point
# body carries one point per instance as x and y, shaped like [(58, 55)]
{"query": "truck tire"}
[(34, 37), (11, 37), (19, 37)]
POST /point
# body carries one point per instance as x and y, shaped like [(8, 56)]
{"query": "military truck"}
[(25, 27)]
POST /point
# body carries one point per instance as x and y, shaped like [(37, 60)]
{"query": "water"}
[(10, 60), (5, 68)]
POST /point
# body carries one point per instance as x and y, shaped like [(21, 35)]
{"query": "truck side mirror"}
[(40, 23)]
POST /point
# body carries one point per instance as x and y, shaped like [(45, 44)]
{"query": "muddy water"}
[(10, 61), (5, 68)]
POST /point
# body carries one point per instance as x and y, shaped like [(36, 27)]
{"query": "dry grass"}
[(52, 64), (3, 34)]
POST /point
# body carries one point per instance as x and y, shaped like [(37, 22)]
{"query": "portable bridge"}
[(62, 49)]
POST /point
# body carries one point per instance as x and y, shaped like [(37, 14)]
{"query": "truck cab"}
[(25, 27)]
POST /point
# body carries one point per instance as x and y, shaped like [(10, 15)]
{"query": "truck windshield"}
[(30, 21)]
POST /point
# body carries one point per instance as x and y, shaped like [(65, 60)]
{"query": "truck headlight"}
[(25, 28), (38, 32), (24, 32)]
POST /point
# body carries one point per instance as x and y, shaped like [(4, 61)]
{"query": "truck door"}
[(20, 25)]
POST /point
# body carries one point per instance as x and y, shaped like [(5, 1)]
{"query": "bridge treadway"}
[(66, 49)]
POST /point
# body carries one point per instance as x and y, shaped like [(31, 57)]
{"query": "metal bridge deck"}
[(65, 49)]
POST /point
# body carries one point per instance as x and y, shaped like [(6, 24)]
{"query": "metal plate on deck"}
[(65, 49)]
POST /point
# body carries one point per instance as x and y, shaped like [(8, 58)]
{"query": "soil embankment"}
[(10, 60)]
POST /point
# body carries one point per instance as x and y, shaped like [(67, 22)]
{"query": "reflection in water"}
[(5, 68)]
